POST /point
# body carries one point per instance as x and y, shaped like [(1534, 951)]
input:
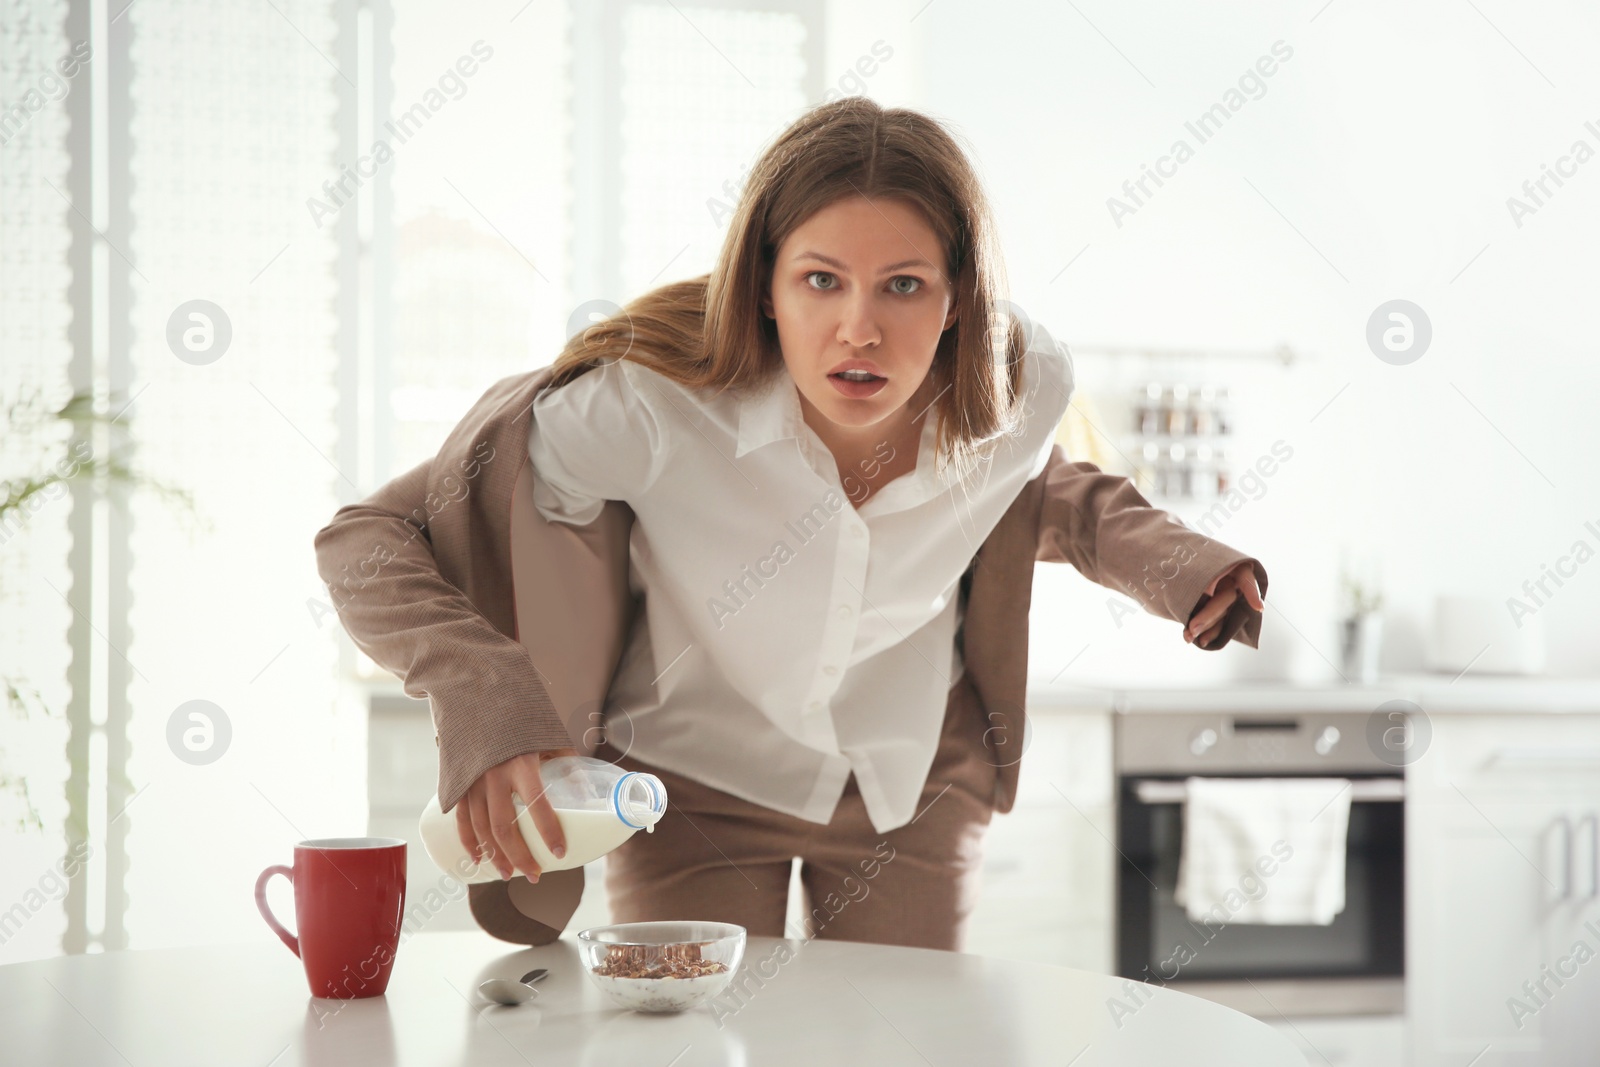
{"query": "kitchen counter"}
[(1434, 693)]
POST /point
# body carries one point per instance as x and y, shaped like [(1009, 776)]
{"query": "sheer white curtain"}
[(233, 126), (35, 537), (274, 319)]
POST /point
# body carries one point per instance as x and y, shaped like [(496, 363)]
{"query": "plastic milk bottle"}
[(598, 804)]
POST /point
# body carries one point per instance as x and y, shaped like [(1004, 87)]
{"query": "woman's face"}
[(860, 282)]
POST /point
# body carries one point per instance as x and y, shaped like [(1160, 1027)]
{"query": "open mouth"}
[(856, 384)]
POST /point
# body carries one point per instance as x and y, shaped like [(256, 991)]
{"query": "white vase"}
[(1362, 640)]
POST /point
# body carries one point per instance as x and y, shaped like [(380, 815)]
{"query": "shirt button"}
[(858, 531), (830, 669), (844, 611), (816, 705)]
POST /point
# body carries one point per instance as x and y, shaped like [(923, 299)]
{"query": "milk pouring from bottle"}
[(598, 804)]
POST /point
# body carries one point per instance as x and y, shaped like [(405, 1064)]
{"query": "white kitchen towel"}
[(1264, 850)]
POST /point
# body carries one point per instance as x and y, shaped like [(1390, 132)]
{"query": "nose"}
[(858, 325)]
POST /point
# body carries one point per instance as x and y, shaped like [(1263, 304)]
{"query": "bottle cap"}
[(639, 799)]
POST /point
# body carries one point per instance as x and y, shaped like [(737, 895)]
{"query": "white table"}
[(831, 1002)]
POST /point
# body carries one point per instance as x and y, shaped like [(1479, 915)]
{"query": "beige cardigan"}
[(512, 626)]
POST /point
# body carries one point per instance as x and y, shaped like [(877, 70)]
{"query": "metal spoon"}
[(505, 991)]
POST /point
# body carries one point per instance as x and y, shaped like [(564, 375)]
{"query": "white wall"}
[(1390, 140)]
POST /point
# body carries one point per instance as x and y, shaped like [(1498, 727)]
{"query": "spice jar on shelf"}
[(1164, 407), (1144, 473), (1146, 409), (1205, 473), (1205, 411), (1162, 481), (1181, 483), (1178, 414)]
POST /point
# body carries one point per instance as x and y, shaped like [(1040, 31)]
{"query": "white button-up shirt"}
[(786, 637)]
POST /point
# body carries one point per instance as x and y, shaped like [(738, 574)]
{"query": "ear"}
[(950, 319)]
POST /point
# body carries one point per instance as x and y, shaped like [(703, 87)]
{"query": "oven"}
[(1354, 966)]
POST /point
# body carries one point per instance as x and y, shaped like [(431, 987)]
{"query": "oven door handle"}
[(1594, 854), (1566, 854), (1153, 791)]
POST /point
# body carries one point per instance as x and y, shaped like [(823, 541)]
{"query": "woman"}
[(814, 440)]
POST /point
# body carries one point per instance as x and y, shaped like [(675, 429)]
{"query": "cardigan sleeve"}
[(1104, 527), (602, 436), (487, 699)]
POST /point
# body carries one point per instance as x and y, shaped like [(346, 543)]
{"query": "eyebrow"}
[(830, 261)]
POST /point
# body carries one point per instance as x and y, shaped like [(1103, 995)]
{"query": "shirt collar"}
[(769, 412)]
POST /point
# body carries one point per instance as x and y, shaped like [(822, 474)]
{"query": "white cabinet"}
[(1048, 862), (1503, 893)]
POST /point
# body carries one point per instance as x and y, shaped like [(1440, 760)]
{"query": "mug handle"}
[(266, 910)]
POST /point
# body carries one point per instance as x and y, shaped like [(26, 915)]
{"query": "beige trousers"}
[(717, 857)]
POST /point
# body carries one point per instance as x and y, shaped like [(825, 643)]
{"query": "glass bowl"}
[(662, 966)]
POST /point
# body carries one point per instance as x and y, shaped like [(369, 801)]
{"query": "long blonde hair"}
[(709, 331)]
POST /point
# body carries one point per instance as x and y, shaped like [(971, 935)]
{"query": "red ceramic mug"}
[(349, 897)]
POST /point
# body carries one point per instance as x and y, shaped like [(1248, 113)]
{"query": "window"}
[(274, 316)]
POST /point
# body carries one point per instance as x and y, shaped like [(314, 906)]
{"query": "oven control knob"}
[(1329, 737), (1202, 741)]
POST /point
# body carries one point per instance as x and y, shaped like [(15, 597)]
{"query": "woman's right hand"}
[(487, 820)]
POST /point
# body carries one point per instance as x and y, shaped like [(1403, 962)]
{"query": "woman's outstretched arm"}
[(1103, 526)]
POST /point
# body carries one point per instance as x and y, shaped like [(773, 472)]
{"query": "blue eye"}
[(917, 282)]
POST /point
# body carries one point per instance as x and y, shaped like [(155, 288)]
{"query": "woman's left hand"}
[(1215, 605)]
